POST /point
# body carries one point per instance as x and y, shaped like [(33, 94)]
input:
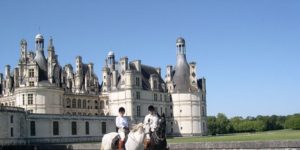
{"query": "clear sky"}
[(247, 50)]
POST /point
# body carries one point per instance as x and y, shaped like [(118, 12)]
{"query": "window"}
[(155, 84), (31, 73), (11, 119), (30, 99), (171, 107), (68, 103), (160, 97), (12, 132), (12, 103), (166, 110), (137, 81), (84, 104), (87, 128), (74, 128), (55, 128), (96, 104), (31, 83), (203, 111), (165, 96), (103, 125), (32, 128), (138, 95), (138, 111), (155, 97), (73, 103), (171, 115), (101, 104), (23, 98), (79, 103), (161, 112), (88, 104)]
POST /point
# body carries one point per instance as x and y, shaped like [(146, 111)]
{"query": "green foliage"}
[(293, 122), (220, 124)]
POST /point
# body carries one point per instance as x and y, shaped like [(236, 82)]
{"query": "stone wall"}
[(238, 145), (278, 145)]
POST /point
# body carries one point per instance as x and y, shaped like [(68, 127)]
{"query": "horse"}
[(158, 137), (134, 140)]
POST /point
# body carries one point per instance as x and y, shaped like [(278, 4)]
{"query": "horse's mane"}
[(137, 127)]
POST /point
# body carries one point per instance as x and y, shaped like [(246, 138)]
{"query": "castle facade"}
[(41, 85)]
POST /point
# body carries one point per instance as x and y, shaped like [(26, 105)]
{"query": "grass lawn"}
[(259, 136)]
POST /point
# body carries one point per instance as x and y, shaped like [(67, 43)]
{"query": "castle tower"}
[(182, 70), (188, 108)]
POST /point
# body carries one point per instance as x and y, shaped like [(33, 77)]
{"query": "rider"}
[(151, 120), (122, 125)]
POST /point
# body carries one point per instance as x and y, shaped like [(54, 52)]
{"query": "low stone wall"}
[(278, 145), (237, 145)]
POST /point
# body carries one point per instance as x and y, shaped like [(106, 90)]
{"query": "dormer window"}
[(31, 73), (137, 81)]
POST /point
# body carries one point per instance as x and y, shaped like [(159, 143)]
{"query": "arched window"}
[(79, 103), (68, 103), (73, 103)]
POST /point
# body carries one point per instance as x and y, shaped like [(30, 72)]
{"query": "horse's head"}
[(161, 126)]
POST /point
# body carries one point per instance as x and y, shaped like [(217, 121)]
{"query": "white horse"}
[(134, 140)]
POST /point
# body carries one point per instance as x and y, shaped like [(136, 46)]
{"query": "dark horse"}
[(158, 137)]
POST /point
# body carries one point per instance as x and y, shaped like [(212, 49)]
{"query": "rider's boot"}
[(146, 144), (121, 145)]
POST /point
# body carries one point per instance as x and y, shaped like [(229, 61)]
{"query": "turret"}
[(182, 70), (23, 50), (40, 57), (16, 77), (51, 60), (193, 76), (91, 69), (123, 65), (79, 74), (169, 73), (111, 60), (7, 71), (105, 79)]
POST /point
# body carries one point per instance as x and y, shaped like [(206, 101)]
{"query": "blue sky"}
[(247, 50)]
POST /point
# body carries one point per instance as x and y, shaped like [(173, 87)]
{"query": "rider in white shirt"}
[(150, 120), (122, 125)]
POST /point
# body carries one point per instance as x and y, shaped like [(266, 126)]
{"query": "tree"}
[(293, 122), (211, 125), (222, 123)]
